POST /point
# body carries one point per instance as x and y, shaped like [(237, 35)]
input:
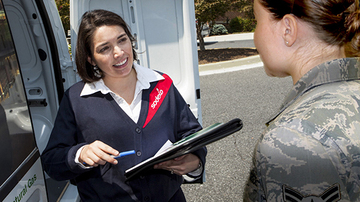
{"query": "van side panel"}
[(31, 187)]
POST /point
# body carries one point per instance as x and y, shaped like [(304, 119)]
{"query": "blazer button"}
[(138, 130), (138, 153)]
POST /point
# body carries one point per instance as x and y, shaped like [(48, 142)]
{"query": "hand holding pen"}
[(98, 153)]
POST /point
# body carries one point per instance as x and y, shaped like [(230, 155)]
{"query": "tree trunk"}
[(201, 42)]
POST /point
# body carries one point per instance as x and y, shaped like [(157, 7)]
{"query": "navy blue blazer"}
[(83, 119)]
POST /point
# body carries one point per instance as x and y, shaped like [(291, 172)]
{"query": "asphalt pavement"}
[(247, 94), (253, 97), (233, 65)]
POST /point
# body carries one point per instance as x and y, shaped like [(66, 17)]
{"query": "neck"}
[(311, 59), (124, 87)]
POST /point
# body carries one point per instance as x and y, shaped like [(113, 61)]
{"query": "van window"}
[(16, 134)]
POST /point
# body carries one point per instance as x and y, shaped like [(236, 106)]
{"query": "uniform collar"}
[(344, 69), (144, 77)]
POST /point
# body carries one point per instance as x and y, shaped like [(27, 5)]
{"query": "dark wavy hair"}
[(90, 21), (336, 22)]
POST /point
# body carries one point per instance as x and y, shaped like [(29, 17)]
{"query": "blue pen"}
[(125, 153)]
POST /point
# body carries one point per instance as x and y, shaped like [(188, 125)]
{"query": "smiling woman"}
[(112, 57), (86, 49), (111, 111)]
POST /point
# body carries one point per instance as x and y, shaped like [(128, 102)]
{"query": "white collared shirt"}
[(144, 77)]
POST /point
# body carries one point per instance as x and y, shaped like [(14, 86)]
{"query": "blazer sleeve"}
[(58, 158), (188, 124)]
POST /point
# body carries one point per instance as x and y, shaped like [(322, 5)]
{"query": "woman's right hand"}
[(97, 153)]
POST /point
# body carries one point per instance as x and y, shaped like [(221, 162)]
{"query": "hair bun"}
[(352, 17), (352, 23)]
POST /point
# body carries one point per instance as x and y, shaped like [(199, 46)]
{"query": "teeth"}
[(121, 63)]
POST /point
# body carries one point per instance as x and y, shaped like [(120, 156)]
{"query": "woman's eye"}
[(122, 40), (103, 49)]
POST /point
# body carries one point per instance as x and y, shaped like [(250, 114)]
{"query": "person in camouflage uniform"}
[(310, 150)]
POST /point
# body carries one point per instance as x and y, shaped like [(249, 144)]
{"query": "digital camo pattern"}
[(310, 150)]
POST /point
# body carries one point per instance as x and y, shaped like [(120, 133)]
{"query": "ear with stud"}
[(287, 31), (289, 28)]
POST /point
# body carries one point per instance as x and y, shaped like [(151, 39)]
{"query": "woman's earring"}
[(97, 72), (287, 31)]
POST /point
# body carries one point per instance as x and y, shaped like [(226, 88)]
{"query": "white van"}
[(36, 68)]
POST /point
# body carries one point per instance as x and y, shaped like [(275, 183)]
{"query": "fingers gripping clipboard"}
[(187, 145)]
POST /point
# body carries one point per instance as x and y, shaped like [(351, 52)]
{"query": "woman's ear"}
[(290, 29), (90, 61)]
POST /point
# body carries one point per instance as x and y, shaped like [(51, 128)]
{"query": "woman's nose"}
[(118, 51)]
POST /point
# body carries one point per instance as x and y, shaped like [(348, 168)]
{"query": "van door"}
[(165, 34), (21, 176), (44, 64), (43, 59)]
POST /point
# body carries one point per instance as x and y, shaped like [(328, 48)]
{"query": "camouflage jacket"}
[(310, 150)]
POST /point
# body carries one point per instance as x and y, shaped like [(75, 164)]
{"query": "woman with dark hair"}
[(119, 106), (310, 150), (90, 22)]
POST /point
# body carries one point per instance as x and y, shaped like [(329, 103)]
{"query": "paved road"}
[(244, 93), (251, 96)]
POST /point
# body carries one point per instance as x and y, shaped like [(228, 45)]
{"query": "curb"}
[(230, 66), (230, 37)]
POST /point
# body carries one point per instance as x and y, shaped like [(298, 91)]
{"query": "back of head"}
[(336, 22)]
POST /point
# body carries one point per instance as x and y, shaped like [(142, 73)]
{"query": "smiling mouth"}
[(121, 63)]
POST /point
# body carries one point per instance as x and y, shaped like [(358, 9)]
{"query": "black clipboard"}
[(187, 145)]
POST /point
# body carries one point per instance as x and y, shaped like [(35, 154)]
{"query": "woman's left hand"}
[(181, 165)]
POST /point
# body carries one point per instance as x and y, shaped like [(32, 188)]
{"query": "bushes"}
[(239, 24), (218, 29)]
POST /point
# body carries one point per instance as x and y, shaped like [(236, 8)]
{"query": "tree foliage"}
[(64, 12), (240, 24), (206, 11), (247, 7)]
